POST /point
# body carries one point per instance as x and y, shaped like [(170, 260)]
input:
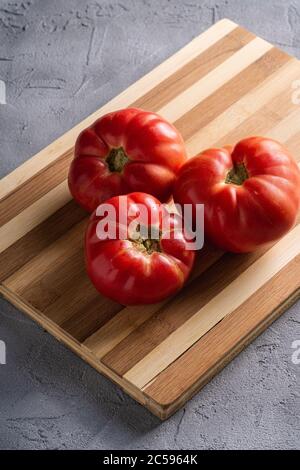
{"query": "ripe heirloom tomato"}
[(124, 151), (138, 261), (251, 193)]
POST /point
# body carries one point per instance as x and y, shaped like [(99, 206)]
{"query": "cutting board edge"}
[(82, 352), (162, 411), (166, 410)]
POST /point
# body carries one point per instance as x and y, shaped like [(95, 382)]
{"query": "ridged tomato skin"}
[(154, 152), (122, 271), (242, 217)]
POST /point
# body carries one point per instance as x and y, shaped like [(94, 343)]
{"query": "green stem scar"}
[(117, 159), (237, 175), (151, 245), (147, 245)]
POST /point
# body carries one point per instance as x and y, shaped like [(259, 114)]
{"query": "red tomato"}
[(124, 151), (130, 266), (251, 194)]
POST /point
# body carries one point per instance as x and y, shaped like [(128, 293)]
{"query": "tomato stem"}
[(117, 159), (147, 245), (151, 245), (237, 175)]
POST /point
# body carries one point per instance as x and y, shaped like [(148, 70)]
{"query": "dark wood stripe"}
[(209, 109), (192, 72), (65, 306), (176, 312), (90, 317), (22, 251), (34, 188), (79, 309), (47, 286), (223, 342)]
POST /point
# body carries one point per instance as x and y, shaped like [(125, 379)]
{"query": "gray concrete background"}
[(61, 60)]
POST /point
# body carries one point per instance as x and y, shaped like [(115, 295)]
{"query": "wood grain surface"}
[(225, 85)]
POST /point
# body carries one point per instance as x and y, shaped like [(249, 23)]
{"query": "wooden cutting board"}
[(226, 84)]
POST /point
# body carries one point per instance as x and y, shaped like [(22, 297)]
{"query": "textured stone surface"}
[(61, 60)]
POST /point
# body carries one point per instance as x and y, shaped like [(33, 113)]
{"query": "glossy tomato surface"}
[(251, 193), (125, 151), (138, 260)]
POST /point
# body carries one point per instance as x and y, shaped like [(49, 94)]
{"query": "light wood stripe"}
[(34, 188), (33, 215), (224, 303), (200, 66), (235, 115), (65, 143), (263, 122), (213, 80), (239, 86), (39, 238), (293, 144), (288, 127)]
